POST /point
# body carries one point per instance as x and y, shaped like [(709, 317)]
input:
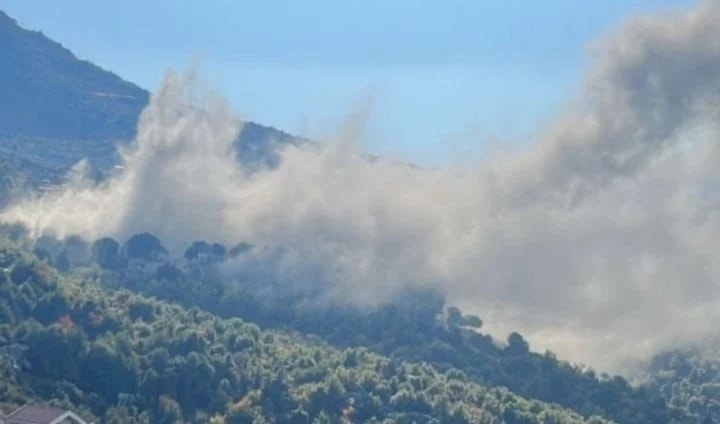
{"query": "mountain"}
[(56, 109), (48, 92), (124, 333)]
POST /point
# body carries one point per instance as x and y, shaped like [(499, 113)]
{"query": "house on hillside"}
[(31, 414)]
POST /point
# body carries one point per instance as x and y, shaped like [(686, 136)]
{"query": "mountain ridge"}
[(55, 102), (49, 92)]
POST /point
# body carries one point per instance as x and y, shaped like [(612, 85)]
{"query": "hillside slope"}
[(47, 92), (415, 328), (56, 109), (124, 358)]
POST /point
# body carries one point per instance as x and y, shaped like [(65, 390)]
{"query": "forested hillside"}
[(123, 358), (415, 330), (689, 378)]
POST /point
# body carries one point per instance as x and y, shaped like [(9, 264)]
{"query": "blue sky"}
[(447, 77)]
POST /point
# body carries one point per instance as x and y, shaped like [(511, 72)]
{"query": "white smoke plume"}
[(600, 242)]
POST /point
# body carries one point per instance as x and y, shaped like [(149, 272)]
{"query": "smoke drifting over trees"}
[(599, 241)]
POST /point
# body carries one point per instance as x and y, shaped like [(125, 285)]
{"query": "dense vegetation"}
[(123, 358), (415, 329), (689, 379)]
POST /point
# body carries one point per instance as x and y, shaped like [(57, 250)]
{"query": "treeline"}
[(416, 327), (689, 379), (119, 357)]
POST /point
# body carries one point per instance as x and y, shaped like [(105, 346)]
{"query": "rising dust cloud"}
[(601, 241)]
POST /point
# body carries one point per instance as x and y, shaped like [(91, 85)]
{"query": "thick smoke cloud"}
[(601, 241)]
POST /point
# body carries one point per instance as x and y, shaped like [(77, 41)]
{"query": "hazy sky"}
[(445, 76)]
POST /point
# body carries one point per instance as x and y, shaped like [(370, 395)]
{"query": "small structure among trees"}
[(32, 414)]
